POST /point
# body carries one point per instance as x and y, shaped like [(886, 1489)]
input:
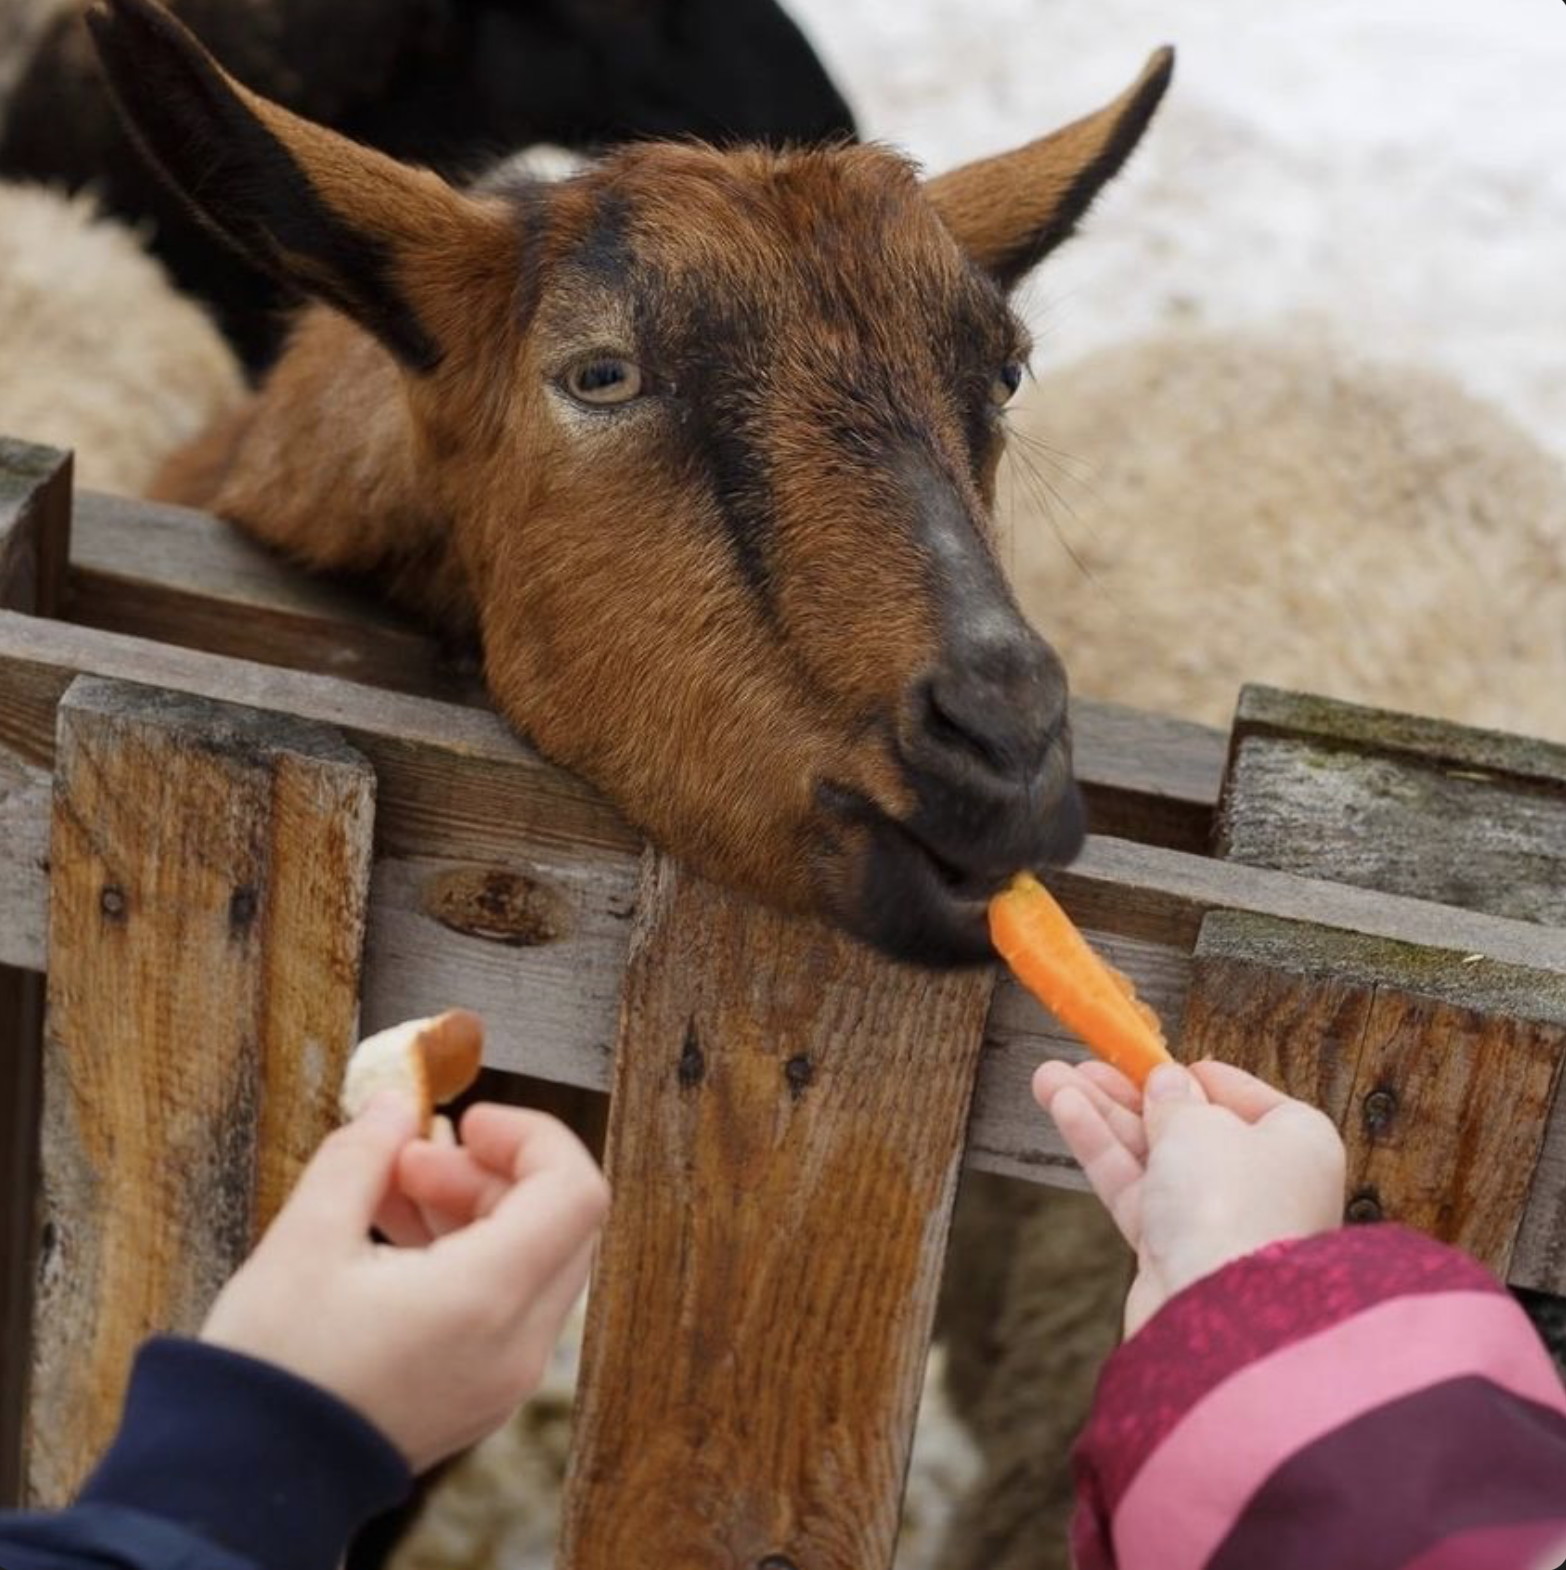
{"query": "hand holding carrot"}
[(1208, 1164)]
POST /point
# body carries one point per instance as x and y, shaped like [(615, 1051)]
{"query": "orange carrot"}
[(1054, 962)]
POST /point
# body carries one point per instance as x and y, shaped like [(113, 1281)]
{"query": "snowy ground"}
[(1396, 168)]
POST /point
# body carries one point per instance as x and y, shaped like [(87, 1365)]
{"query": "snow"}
[(1393, 172)]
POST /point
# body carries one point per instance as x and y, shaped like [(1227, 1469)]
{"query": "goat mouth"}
[(908, 900)]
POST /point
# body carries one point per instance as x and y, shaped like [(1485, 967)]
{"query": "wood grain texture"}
[(210, 870), (1270, 711), (35, 518), (35, 527), (785, 1131), (1148, 777), (1473, 818), (1440, 1070), (184, 577), (21, 1041), (455, 781), (1402, 823)]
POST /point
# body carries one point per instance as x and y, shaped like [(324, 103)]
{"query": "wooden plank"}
[(1162, 895), (179, 576), (1469, 817), (1148, 777), (183, 577), (1402, 823), (35, 519), (1440, 1072), (210, 872), (455, 781), (21, 1035), (1272, 712), (35, 527), (785, 1131), (1453, 1105)]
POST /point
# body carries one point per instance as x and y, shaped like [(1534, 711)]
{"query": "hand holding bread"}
[(435, 1341)]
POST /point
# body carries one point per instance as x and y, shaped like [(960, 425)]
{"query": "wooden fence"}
[(243, 815)]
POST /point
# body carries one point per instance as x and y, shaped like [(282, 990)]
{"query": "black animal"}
[(447, 83)]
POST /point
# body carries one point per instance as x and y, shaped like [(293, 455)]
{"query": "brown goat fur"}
[(755, 598)]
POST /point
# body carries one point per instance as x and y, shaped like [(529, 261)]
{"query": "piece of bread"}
[(428, 1060)]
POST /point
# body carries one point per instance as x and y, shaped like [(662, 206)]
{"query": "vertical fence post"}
[(209, 875), (786, 1126), (35, 522)]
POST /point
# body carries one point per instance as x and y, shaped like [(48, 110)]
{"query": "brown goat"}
[(702, 447)]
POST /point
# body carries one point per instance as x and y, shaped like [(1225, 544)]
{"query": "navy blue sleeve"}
[(221, 1463)]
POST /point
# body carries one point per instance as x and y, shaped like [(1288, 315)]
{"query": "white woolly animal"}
[(1263, 507), (100, 353)]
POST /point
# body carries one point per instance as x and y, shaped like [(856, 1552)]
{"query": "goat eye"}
[(604, 380), (1006, 383)]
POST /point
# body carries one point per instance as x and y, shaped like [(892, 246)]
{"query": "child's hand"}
[(1210, 1165), (436, 1343)]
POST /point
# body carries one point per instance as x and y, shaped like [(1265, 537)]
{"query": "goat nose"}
[(1002, 703)]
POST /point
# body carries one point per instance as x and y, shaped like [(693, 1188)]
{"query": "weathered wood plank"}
[(1469, 817), (35, 527), (456, 781), (183, 577), (35, 519), (1402, 823), (785, 1131), (1452, 1109), (1148, 777), (210, 871), (1163, 895), (1272, 712), (24, 862), (21, 1036), (1441, 1072), (179, 576)]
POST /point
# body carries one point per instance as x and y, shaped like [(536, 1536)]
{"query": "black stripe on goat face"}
[(761, 395), (717, 352)]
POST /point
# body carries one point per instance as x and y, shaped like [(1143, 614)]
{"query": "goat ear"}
[(392, 246), (1011, 211)]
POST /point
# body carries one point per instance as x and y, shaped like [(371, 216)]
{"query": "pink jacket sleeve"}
[(1366, 1399)]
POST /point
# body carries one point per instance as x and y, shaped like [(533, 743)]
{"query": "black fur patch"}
[(241, 180), (528, 198), (713, 346)]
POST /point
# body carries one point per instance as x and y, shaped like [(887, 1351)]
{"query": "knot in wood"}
[(693, 1064), (798, 1071), (1364, 1206), (1380, 1108), (242, 909), (500, 905), (776, 1562)]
